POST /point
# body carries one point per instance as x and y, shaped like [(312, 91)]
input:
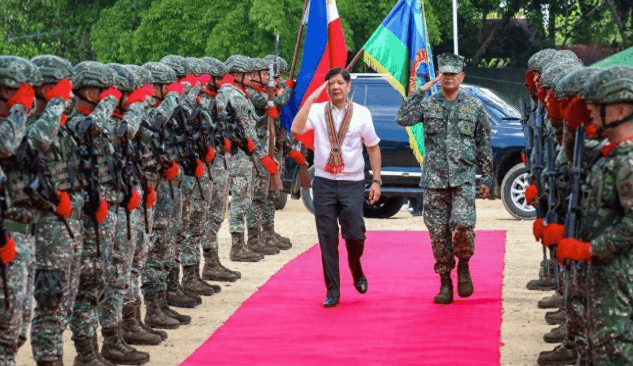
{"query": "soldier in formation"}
[(113, 178), (580, 159)]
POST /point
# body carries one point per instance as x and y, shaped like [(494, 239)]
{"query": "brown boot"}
[(86, 354), (191, 283), (181, 318), (556, 335), (464, 282), (556, 317), (564, 354), (541, 284), (551, 302), (116, 351), (213, 270), (175, 296), (48, 363), (132, 331), (240, 252), (95, 346), (137, 314), (280, 242), (259, 244), (154, 315), (446, 289)]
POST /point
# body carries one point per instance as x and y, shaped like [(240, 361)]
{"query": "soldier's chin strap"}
[(614, 124)]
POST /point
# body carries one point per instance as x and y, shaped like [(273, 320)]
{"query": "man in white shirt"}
[(341, 127)]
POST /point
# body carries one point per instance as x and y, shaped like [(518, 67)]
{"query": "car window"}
[(358, 93), (383, 99), (494, 104)]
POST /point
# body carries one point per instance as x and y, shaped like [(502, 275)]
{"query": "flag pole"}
[(355, 60), (294, 58), (455, 43)]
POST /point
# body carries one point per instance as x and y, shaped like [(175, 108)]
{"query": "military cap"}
[(550, 75), (239, 63), (93, 74), (450, 63), (571, 85), (217, 67), (612, 85), (161, 73), (53, 68), (16, 70), (197, 66), (125, 80), (143, 75), (539, 57), (178, 63)]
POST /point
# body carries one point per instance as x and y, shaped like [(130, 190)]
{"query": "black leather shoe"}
[(361, 285), (330, 302)]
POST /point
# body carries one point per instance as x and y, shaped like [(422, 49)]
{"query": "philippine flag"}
[(323, 49)]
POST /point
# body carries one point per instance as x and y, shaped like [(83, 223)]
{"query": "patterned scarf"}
[(335, 163)]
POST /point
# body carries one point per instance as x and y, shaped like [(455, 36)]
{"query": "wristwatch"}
[(379, 181)]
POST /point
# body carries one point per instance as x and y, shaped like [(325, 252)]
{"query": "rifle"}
[(526, 123), (3, 240), (127, 170), (239, 135), (537, 169), (275, 180), (203, 141), (551, 215), (221, 132), (186, 141), (160, 146), (139, 163)]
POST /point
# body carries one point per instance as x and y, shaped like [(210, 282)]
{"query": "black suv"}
[(401, 171)]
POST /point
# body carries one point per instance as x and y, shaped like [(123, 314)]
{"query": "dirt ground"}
[(523, 323)]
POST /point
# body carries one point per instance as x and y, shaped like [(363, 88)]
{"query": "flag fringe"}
[(385, 74)]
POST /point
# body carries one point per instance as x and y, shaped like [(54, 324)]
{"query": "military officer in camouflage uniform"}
[(220, 170), (456, 130), (606, 226), (19, 214), (57, 255)]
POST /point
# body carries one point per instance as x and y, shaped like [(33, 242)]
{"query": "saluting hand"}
[(427, 86), (315, 94)]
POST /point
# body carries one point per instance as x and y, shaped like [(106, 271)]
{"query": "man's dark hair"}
[(338, 71)]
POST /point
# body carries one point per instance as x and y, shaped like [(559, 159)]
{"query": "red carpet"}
[(395, 323)]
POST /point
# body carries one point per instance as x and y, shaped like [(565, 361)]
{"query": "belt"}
[(18, 227)]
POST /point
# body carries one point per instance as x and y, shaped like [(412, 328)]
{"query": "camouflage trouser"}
[(167, 215), (576, 309), (58, 261), (92, 281), (268, 215), (610, 311), (141, 252), (217, 206), (194, 223), (13, 323), (242, 171), (449, 214), (119, 266), (261, 185)]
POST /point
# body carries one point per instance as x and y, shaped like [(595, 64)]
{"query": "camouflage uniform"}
[(448, 174)]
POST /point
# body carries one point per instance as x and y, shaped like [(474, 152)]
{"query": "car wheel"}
[(307, 196), (282, 199), (513, 193), (384, 208)]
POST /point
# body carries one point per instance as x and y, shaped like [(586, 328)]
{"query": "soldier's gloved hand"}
[(270, 164), (189, 79), (62, 120), (177, 88), (25, 95), (531, 194), (110, 92), (553, 234), (140, 95), (574, 250), (204, 79), (537, 229), (290, 83), (63, 89)]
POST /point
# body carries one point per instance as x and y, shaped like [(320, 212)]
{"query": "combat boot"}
[(551, 302), (132, 331), (86, 354), (175, 296), (259, 244), (446, 289), (50, 363), (279, 241), (216, 288), (213, 270), (216, 256), (564, 354), (556, 317), (556, 335), (464, 281), (191, 283), (240, 252), (181, 318), (154, 315), (137, 315), (541, 284), (95, 346), (116, 351)]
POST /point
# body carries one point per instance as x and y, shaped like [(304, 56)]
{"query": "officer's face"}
[(451, 81), (338, 88)]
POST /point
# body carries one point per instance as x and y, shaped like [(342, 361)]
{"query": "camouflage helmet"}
[(553, 72), (53, 68), (538, 57), (197, 66), (260, 64), (567, 54), (283, 65), (161, 73), (239, 63), (178, 63), (16, 70), (217, 67), (93, 74), (126, 80), (571, 85), (143, 75), (612, 85)]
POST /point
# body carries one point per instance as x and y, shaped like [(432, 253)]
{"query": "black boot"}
[(155, 317), (446, 289), (464, 282), (191, 282), (175, 296), (137, 314), (86, 353), (213, 270), (240, 252), (132, 331), (116, 351)]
